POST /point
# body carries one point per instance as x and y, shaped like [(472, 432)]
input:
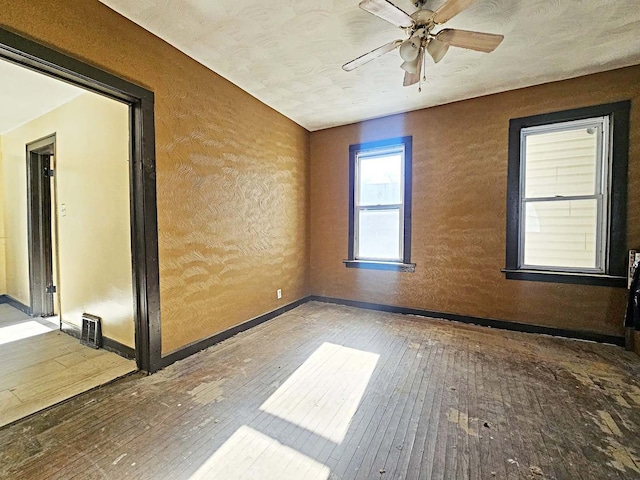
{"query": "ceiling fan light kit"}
[(410, 49), (419, 27), (410, 67)]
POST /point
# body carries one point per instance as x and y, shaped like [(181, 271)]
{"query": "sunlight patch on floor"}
[(323, 394), (249, 455), (21, 331)]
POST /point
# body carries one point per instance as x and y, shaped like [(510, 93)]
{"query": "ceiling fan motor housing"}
[(423, 19)]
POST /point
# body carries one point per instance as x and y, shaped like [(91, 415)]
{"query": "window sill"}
[(373, 265), (566, 277)]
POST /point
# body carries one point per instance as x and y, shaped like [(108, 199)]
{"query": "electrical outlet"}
[(279, 293)]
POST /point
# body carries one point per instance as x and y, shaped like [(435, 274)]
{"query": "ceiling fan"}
[(419, 27)]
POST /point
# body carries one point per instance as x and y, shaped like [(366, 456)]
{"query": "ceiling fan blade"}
[(437, 49), (410, 79), (450, 9), (413, 78), (372, 55), (387, 11), (481, 42)]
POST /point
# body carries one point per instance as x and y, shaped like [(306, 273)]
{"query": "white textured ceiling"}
[(289, 53), (25, 95)]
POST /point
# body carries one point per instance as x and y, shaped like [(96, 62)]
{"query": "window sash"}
[(601, 194), (368, 154), (356, 244)]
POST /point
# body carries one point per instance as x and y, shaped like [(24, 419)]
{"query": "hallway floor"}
[(41, 366)]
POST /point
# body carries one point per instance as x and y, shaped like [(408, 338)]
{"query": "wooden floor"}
[(41, 366), (330, 392)]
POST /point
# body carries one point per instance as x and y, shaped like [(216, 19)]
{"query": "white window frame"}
[(601, 195), (373, 153)]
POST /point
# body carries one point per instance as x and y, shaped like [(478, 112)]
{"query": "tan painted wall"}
[(233, 177), (92, 178), (3, 272), (14, 193), (232, 173), (459, 204)]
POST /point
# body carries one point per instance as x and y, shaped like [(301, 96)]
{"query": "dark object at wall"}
[(632, 318)]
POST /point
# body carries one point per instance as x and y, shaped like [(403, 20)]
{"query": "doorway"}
[(143, 205), (65, 202), (40, 175)]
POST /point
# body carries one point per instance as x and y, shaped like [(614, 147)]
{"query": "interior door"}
[(39, 175)]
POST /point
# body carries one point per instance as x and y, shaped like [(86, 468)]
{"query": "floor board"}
[(327, 392)]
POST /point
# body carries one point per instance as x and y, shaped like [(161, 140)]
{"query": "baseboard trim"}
[(485, 322), (108, 344), (8, 299), (121, 349), (70, 329), (200, 345)]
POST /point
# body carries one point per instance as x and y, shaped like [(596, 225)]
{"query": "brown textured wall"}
[(232, 172), (459, 204)]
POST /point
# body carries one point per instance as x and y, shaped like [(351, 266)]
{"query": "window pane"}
[(561, 233), (380, 179), (561, 163), (379, 234)]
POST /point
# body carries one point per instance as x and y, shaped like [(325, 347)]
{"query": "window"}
[(380, 205), (567, 196)]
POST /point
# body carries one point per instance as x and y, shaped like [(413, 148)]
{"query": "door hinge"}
[(49, 173), (51, 289)]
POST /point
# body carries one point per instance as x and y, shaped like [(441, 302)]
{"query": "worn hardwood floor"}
[(41, 366), (330, 392)]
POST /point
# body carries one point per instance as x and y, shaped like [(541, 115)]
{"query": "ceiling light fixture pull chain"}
[(424, 69), (421, 75)]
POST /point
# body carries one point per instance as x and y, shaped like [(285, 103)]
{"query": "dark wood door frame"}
[(144, 224), (39, 225)]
